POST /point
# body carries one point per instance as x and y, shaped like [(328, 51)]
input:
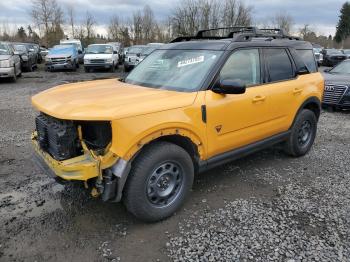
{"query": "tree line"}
[(52, 22)]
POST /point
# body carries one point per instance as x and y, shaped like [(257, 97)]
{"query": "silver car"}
[(10, 62), (133, 57)]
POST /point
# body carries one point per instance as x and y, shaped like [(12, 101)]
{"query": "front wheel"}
[(303, 134), (159, 182), (14, 78)]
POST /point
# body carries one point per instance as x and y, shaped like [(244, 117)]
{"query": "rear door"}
[(284, 86)]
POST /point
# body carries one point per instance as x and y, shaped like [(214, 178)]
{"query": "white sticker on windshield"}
[(191, 61)]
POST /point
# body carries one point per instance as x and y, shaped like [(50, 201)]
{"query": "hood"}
[(107, 100), (5, 57), (337, 79), (98, 56), (336, 55), (63, 55)]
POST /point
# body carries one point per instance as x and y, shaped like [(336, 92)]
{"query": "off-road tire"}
[(136, 197), (295, 146)]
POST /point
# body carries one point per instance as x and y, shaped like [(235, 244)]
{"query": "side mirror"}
[(138, 55), (230, 86), (327, 70), (303, 71), (80, 52)]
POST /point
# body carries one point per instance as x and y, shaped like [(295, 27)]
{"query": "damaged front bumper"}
[(109, 170), (82, 168)]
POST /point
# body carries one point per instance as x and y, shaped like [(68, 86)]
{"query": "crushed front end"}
[(79, 151)]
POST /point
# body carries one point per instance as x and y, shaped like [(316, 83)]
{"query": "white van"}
[(101, 56)]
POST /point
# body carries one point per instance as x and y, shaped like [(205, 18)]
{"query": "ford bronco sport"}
[(194, 104)]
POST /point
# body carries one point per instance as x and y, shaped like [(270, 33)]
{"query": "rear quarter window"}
[(308, 58), (279, 65)]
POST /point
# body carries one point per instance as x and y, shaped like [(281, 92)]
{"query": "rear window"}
[(278, 64), (309, 60)]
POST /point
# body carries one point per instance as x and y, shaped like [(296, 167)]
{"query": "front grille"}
[(333, 94), (58, 60), (57, 137), (97, 61)]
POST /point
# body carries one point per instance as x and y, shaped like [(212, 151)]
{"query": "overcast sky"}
[(321, 15)]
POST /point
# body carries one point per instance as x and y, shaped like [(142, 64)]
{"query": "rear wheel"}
[(303, 134), (160, 180)]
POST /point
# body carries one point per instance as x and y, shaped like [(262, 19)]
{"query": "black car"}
[(331, 57), (28, 57), (337, 88)]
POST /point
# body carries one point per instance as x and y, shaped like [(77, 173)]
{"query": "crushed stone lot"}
[(266, 207)]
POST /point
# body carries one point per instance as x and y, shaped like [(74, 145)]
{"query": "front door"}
[(237, 120)]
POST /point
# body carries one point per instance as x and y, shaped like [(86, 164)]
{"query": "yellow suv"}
[(191, 105)]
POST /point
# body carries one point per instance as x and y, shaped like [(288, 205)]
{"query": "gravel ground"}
[(266, 207)]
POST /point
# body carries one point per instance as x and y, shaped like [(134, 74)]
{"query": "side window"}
[(308, 58), (278, 64), (243, 65)]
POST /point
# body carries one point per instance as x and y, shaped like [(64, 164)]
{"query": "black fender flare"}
[(311, 101)]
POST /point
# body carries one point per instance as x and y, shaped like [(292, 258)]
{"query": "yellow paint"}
[(139, 115)]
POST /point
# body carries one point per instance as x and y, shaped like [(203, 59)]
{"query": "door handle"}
[(297, 91), (259, 99)]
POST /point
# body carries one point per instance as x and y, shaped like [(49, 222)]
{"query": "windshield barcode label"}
[(191, 61)]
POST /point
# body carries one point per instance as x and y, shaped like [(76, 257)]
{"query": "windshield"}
[(148, 50), (20, 48), (342, 68), (347, 52), (99, 49), (317, 50), (136, 50), (334, 52), (180, 70), (4, 50), (61, 49)]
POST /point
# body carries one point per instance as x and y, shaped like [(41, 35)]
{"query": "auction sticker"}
[(191, 61)]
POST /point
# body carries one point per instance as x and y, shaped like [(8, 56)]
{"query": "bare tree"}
[(48, 16), (284, 21), (89, 24), (191, 15), (114, 28), (71, 19)]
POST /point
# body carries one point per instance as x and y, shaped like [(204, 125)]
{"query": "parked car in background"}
[(62, 57), (28, 59), (132, 58), (148, 50), (347, 53), (78, 45), (318, 55), (332, 57), (43, 52), (120, 49), (337, 88), (10, 62), (36, 49), (101, 56)]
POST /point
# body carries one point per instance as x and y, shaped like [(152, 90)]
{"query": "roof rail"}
[(238, 34)]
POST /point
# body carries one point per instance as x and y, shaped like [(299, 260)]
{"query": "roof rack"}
[(238, 34)]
